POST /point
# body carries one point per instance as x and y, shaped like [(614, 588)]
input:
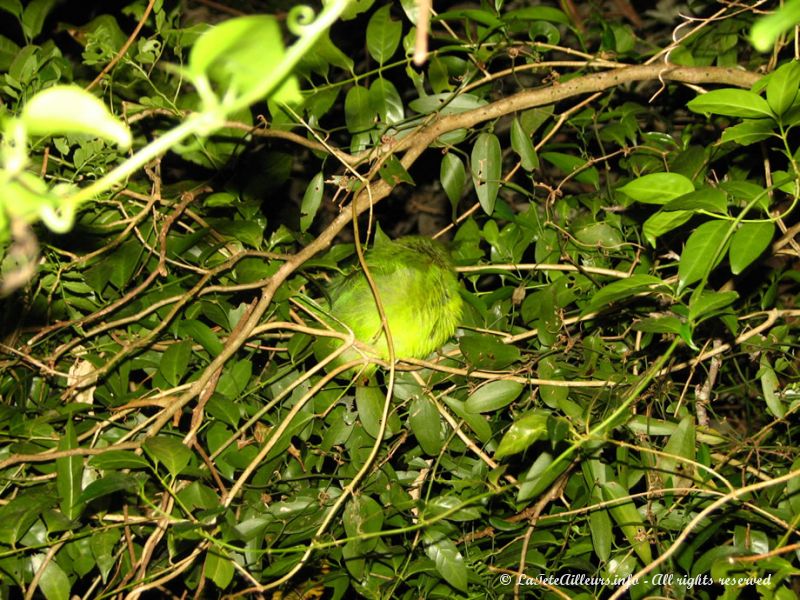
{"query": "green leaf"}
[(69, 470), (769, 387), (570, 164), (709, 302), (657, 188), (235, 378), (311, 200), (731, 103), (114, 460), (219, 568), (12, 6), (8, 51), (34, 15), (523, 146), (202, 334), (369, 402), (235, 53), (448, 560), (363, 516), (486, 163), (487, 352), (394, 173), (452, 174), (20, 513), (625, 288), (493, 396), (175, 361), (628, 518), (386, 101), (522, 433), (663, 222), (537, 13), (383, 34), (358, 113), (54, 583), (476, 422), (681, 445), (170, 452), (446, 104), (64, 109), (426, 425), (749, 132), (110, 484), (709, 199), (102, 543), (747, 244), (703, 251)]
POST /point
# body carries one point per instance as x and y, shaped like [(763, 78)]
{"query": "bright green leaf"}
[(175, 361), (523, 432), (69, 109), (731, 103), (657, 188), (748, 242)]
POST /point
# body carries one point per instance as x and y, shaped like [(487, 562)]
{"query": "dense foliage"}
[(616, 414)]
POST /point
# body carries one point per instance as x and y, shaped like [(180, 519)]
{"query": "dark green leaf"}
[(202, 334), (174, 361), (170, 452), (452, 175), (523, 146), (358, 112), (114, 460), (110, 484), (70, 473), (235, 378), (710, 302), (493, 396), (628, 518), (426, 425), (33, 17), (488, 353), (618, 290), (448, 560), (311, 200), (486, 164), (383, 34), (394, 173), (710, 199), (573, 164)]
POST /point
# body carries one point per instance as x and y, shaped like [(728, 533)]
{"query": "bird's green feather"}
[(419, 291)]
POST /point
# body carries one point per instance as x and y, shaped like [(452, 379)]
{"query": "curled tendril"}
[(300, 18)]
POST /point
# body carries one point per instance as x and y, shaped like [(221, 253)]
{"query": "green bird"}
[(419, 291)]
